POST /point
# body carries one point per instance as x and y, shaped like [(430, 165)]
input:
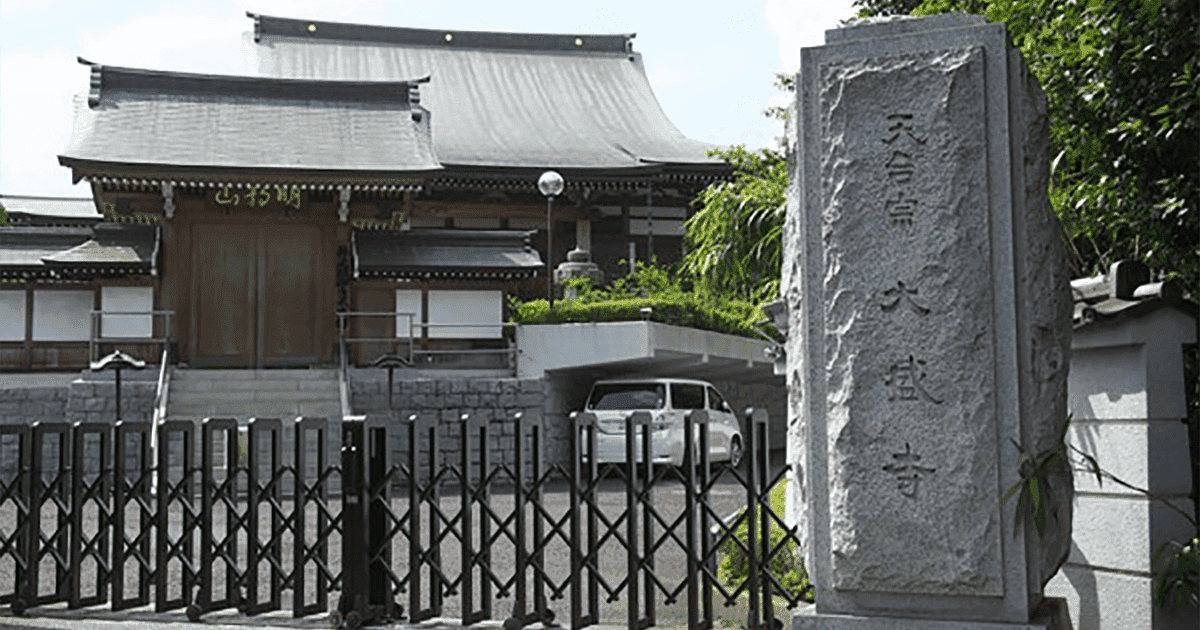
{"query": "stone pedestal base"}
[(1051, 615)]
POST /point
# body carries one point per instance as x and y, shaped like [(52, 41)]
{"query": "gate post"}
[(352, 605), (633, 498), (695, 425), (366, 549)]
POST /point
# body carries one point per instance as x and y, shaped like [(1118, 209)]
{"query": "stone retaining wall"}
[(444, 402), (26, 405), (96, 401)]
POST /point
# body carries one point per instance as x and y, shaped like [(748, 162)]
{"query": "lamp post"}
[(118, 361), (551, 185), (391, 362)]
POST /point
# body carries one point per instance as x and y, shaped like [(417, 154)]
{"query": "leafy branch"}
[(1035, 496), (1176, 565)]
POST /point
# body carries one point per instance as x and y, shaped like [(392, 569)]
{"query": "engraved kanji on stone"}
[(905, 380), (902, 294), (908, 473), (901, 125), (900, 167), (901, 208)]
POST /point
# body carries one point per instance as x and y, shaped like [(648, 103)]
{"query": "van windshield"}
[(627, 396)]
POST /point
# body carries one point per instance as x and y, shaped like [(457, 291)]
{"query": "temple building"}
[(375, 187)]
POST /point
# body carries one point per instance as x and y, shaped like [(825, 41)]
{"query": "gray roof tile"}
[(60, 207), (446, 253), (147, 117), (500, 99)]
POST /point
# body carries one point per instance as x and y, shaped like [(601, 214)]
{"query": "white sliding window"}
[(408, 313), (62, 315), (476, 314), (127, 300), (12, 315)]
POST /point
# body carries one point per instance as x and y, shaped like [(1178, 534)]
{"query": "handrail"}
[(160, 409), (97, 335), (343, 324), (415, 330), (343, 377), (160, 396)]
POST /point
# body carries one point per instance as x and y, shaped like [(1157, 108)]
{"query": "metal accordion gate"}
[(404, 527)]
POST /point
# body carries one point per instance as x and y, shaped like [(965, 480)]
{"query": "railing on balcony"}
[(428, 344), (110, 329)]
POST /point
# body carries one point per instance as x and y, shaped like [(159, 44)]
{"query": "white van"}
[(668, 400)]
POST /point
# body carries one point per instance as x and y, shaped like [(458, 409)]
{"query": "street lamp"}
[(551, 185)]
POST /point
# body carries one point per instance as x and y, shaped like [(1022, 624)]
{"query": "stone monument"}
[(929, 319)]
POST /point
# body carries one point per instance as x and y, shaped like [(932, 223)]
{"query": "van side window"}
[(627, 396), (715, 402), (687, 396)]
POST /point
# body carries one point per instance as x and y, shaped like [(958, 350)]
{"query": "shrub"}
[(652, 288), (787, 565)]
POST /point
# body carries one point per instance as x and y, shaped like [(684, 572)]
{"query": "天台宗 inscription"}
[(908, 325)]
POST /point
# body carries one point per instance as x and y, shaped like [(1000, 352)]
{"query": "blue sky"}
[(710, 63)]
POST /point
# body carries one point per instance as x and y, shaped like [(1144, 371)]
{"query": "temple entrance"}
[(256, 295)]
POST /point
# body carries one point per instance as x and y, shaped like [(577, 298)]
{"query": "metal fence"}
[(90, 515)]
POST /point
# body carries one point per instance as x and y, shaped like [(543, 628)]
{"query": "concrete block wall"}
[(78, 401), (443, 402), (26, 405), (96, 401), (1126, 397)]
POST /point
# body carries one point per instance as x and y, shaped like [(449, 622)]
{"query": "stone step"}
[(302, 387), (242, 394), (257, 375), (264, 410)]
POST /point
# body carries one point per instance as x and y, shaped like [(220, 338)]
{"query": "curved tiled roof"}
[(445, 253), (105, 249), (500, 99), (175, 119)]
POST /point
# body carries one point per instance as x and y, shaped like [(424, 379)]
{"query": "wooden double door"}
[(261, 295)]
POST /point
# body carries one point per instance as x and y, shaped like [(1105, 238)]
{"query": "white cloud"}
[(175, 37), (802, 23), (13, 8), (36, 101)]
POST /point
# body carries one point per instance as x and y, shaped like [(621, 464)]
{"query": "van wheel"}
[(735, 452)]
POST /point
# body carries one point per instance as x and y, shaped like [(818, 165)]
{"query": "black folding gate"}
[(88, 518)]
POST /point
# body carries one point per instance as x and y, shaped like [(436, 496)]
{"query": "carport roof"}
[(643, 348)]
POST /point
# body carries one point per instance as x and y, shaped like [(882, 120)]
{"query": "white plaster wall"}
[(1108, 382), (62, 315), (1121, 447), (12, 315)]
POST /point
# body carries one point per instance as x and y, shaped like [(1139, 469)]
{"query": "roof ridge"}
[(247, 86), (45, 197), (572, 43)]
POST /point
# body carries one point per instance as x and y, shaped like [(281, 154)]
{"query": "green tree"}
[(735, 240), (1124, 100)]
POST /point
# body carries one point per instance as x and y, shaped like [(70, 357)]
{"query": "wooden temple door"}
[(256, 295)]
